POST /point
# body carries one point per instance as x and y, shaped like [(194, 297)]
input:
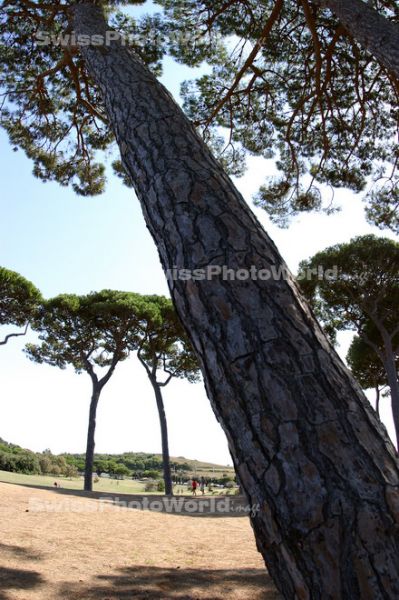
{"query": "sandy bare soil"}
[(83, 553)]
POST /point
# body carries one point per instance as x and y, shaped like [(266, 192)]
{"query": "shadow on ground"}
[(207, 506), (18, 552), (156, 583), (18, 579)]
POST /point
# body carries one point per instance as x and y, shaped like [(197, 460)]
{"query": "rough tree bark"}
[(308, 448), (373, 31)]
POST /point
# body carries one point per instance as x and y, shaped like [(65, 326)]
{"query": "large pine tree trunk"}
[(309, 450), (371, 29)]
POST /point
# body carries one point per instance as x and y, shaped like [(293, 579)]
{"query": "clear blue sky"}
[(65, 243)]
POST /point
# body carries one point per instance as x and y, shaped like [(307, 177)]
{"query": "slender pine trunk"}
[(314, 460), (377, 399), (370, 29), (88, 478), (392, 378), (167, 476)]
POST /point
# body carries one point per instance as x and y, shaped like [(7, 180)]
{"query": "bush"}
[(19, 462), (45, 464), (225, 480), (151, 474), (160, 486), (150, 486), (27, 463), (7, 462), (120, 471), (70, 471)]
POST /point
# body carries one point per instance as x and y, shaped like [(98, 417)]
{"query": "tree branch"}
[(10, 335), (89, 368), (248, 63)]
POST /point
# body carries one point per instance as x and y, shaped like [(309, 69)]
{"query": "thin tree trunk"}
[(377, 399), (371, 29), (392, 378), (88, 478), (167, 476), (313, 459)]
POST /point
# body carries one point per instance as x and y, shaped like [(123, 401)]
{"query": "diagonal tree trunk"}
[(371, 29), (309, 451)]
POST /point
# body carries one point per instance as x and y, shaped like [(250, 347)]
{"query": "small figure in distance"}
[(202, 486), (194, 487)]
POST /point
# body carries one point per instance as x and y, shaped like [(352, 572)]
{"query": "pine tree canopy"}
[(294, 85), (50, 107), (287, 81)]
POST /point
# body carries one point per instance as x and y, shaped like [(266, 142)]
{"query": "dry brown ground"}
[(122, 554)]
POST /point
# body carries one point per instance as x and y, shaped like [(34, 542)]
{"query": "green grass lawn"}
[(123, 486)]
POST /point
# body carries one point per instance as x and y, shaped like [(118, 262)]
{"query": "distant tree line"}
[(15, 459), (127, 464), (139, 465)]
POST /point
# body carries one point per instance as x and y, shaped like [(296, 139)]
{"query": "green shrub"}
[(152, 474), (19, 462), (150, 486)]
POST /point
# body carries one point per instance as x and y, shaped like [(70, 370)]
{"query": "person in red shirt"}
[(194, 487)]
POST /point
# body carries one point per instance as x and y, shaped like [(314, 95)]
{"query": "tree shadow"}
[(18, 579), (19, 552), (157, 583), (208, 506)]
